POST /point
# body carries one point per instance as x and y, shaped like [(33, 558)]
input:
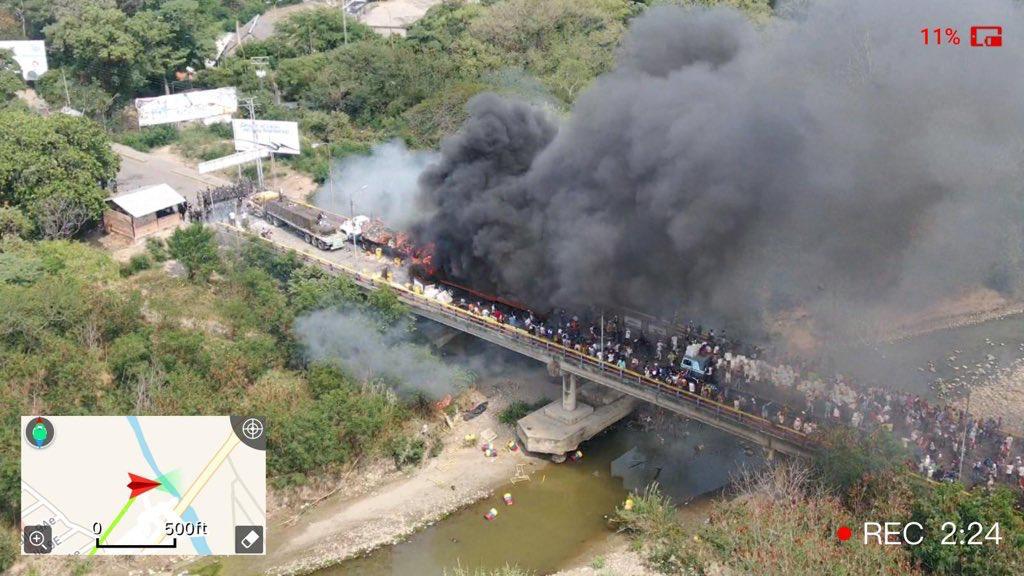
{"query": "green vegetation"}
[(196, 248), (136, 264), (8, 549), (861, 469), (506, 571), (74, 340), (779, 524), (149, 137), (10, 79), (406, 451), (517, 409), (782, 521), (949, 503), (347, 94), (55, 170)]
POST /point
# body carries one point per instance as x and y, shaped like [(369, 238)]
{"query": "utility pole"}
[(963, 437), (344, 19), (251, 105), (352, 213), (602, 335), (67, 95)]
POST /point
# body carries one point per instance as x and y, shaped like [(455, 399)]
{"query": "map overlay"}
[(111, 485)]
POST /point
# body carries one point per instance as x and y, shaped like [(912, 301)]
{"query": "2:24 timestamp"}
[(972, 536)]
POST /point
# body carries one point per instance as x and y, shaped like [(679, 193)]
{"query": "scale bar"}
[(172, 544)]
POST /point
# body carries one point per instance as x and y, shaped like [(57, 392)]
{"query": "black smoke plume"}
[(829, 160)]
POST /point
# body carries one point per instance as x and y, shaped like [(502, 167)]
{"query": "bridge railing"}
[(523, 337)]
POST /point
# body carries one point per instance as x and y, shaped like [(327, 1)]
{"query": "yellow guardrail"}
[(488, 322)]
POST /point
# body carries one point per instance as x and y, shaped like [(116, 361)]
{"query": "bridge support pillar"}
[(568, 392)]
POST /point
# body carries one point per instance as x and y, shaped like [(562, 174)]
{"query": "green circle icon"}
[(39, 433)]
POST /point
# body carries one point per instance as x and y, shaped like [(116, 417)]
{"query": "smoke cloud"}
[(367, 353), (828, 161), (382, 184)]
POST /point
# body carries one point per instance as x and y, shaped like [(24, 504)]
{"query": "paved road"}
[(362, 268), (141, 169)]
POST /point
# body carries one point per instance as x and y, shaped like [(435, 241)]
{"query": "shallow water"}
[(563, 508), (900, 364)]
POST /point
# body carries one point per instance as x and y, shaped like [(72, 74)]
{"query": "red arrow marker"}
[(139, 484)]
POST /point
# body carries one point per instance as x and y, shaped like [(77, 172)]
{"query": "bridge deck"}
[(750, 427)]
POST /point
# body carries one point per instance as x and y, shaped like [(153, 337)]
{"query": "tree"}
[(56, 169), (98, 43), (192, 31), (318, 30), (950, 503), (88, 98), (14, 223), (856, 466), (60, 216), (10, 77), (196, 249)]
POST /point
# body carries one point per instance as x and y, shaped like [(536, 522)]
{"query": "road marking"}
[(204, 476)]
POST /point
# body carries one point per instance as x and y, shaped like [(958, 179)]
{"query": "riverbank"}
[(380, 507), (977, 307)]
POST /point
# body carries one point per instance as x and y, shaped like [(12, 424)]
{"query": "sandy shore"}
[(400, 504)]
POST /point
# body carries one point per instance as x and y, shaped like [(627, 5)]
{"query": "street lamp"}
[(352, 212)]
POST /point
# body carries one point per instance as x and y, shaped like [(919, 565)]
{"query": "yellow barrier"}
[(800, 437)]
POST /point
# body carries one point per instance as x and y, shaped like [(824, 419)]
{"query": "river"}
[(563, 508)]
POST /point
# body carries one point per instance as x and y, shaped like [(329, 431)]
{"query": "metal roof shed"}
[(144, 211)]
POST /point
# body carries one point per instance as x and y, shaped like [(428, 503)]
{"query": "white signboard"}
[(186, 106), (231, 160), (271, 135), (30, 55)]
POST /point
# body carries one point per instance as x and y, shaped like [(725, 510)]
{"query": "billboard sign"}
[(186, 106), (274, 136), (231, 160), (30, 56)]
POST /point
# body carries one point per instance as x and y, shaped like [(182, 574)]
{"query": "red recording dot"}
[(844, 533)]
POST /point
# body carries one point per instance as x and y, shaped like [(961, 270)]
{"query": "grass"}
[(505, 571), (518, 409), (145, 139), (779, 524), (204, 143)]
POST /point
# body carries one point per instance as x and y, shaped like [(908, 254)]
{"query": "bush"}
[(505, 571), (157, 249), (518, 409), (406, 451), (137, 264), (196, 249), (203, 143), (14, 223), (145, 139), (8, 549), (950, 503), (856, 465)]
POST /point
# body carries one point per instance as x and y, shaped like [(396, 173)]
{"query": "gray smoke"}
[(369, 354), (829, 161), (381, 184)]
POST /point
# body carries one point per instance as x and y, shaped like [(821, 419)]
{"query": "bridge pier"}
[(564, 424), (568, 392)]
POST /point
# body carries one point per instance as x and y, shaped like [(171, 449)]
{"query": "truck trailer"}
[(318, 227)]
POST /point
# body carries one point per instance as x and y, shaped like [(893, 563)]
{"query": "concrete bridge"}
[(573, 366)]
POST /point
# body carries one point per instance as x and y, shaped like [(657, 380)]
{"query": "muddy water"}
[(564, 508)]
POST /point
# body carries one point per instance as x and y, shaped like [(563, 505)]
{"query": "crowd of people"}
[(689, 358)]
